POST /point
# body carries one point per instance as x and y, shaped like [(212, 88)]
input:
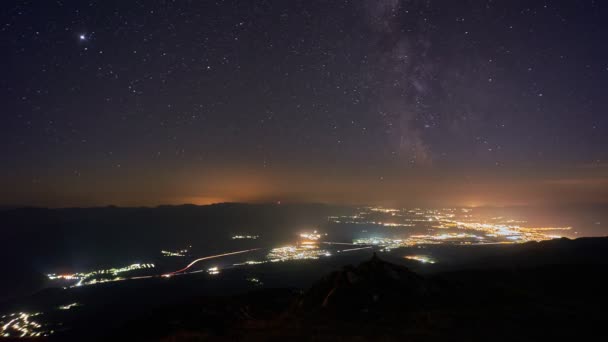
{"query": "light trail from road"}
[(142, 277), (355, 249), (166, 275)]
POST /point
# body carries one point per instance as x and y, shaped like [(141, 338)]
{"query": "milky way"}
[(443, 102)]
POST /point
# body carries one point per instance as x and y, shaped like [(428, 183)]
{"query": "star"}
[(82, 37)]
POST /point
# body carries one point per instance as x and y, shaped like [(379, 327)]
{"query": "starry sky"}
[(378, 102)]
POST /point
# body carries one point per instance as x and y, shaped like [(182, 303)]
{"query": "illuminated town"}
[(314, 236), (99, 276), (367, 229), (442, 226), (306, 248), (425, 259), (381, 229), (292, 170), (22, 325), (300, 252)]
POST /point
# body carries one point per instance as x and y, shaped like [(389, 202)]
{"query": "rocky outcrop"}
[(374, 284)]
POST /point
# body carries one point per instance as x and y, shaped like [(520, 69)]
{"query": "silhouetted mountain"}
[(374, 285), (378, 300), (20, 280)]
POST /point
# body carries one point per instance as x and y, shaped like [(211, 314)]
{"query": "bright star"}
[(82, 37)]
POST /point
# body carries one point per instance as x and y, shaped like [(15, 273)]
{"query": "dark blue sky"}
[(430, 102)]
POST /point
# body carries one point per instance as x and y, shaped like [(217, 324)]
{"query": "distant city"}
[(443, 226), (377, 229)]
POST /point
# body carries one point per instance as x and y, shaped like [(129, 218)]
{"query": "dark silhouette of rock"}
[(373, 285)]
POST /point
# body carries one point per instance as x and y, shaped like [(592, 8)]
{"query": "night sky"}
[(377, 102)]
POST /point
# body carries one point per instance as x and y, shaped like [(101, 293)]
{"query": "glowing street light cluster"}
[(245, 237), (250, 262), (306, 248), (514, 233), (178, 253), (314, 236), (441, 226), (492, 231), (425, 259), (255, 281), (100, 276), (296, 253), (20, 325), (388, 244), (68, 306), (384, 210)]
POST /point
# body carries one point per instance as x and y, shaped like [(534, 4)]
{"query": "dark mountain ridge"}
[(374, 285), (379, 300)]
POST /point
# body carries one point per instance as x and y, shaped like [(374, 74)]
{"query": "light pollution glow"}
[(356, 186)]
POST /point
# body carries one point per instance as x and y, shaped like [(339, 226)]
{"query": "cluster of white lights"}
[(497, 230), (20, 325), (255, 281), (68, 306), (421, 258), (296, 253), (179, 253), (99, 276), (245, 237), (311, 236)]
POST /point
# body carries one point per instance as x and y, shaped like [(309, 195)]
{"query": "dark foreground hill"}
[(375, 286), (381, 301)]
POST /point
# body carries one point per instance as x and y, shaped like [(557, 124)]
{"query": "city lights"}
[(396, 228), (21, 325), (311, 236), (99, 276), (245, 237), (425, 259), (68, 306), (249, 262), (180, 253), (296, 253), (458, 226)]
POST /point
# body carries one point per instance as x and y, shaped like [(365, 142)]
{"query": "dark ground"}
[(381, 301)]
